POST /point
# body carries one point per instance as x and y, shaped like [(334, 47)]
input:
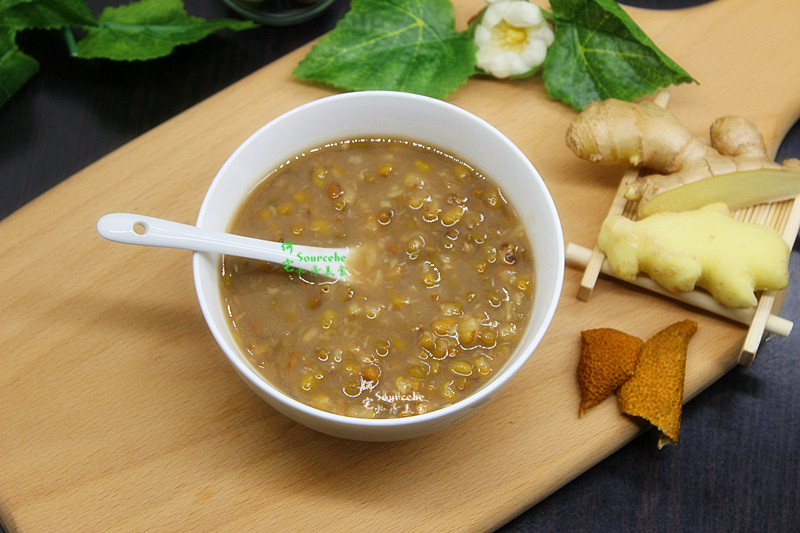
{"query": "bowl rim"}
[(210, 296)]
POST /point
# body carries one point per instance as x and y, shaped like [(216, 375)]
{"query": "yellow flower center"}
[(510, 37)]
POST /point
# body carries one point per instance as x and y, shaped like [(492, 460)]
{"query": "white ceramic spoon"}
[(129, 228)]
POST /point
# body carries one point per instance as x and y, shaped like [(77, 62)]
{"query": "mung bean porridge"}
[(440, 281)]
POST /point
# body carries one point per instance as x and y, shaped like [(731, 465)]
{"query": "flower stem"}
[(72, 46)]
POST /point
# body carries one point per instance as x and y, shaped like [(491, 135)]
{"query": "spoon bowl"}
[(129, 228)]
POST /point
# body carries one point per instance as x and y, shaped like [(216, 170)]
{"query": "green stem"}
[(72, 46)]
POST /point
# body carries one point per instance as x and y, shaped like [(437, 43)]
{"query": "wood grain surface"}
[(125, 415)]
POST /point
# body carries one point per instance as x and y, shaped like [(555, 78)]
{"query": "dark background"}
[(737, 466)]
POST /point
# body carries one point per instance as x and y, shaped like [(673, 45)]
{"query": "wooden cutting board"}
[(118, 411)]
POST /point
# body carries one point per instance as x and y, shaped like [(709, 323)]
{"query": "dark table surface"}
[(737, 467)]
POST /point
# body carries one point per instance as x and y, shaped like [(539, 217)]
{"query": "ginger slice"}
[(608, 359), (736, 190), (655, 392)]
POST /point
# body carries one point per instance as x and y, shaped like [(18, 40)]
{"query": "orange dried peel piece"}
[(608, 359), (655, 392)]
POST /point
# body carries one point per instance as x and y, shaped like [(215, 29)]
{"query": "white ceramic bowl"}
[(393, 115)]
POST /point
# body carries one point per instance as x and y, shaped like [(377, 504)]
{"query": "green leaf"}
[(401, 45), (599, 52), (148, 29), (16, 68), (44, 14)]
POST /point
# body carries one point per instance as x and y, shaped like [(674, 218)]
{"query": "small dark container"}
[(279, 12)]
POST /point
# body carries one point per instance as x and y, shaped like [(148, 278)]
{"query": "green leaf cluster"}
[(142, 30), (412, 45)]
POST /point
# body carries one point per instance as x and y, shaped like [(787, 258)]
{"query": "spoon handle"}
[(129, 228)]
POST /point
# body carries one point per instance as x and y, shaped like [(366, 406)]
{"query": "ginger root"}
[(646, 135), (705, 248)]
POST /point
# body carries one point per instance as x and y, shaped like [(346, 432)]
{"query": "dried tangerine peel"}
[(655, 392), (608, 359)]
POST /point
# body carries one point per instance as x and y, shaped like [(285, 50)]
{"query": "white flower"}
[(512, 38)]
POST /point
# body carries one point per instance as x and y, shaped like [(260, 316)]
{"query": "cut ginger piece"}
[(736, 190), (706, 247), (655, 392), (608, 359)]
